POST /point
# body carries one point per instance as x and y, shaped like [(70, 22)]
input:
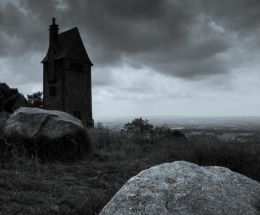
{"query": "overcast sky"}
[(151, 57)]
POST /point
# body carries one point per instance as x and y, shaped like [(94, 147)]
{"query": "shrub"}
[(138, 126), (46, 149)]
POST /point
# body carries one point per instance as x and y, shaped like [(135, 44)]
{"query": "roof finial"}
[(53, 21)]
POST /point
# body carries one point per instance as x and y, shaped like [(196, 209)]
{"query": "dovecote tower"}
[(67, 75)]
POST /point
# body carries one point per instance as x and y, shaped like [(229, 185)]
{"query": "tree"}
[(35, 100), (138, 125), (10, 98)]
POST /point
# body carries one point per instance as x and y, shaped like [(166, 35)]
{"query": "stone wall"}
[(73, 91), (53, 102), (77, 91)]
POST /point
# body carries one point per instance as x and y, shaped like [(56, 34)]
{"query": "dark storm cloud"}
[(182, 38), (130, 27), (240, 15), (24, 25), (14, 31)]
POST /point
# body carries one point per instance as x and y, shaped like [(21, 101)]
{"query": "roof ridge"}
[(67, 31), (71, 46)]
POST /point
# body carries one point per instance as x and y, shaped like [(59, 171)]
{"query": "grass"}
[(28, 186), (81, 187)]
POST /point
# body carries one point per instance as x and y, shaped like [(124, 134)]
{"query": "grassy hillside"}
[(28, 186)]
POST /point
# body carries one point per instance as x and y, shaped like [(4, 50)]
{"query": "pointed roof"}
[(70, 46)]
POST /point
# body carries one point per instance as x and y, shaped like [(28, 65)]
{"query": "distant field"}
[(245, 122), (225, 128)]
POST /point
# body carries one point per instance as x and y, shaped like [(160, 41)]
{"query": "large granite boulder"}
[(46, 134), (182, 188)]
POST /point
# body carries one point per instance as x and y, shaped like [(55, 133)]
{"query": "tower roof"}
[(70, 46)]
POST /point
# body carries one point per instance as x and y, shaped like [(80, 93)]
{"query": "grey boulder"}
[(34, 130), (182, 188)]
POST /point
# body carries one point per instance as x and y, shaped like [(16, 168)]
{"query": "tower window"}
[(77, 67), (77, 114), (52, 91)]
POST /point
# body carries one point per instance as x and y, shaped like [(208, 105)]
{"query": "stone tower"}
[(67, 75)]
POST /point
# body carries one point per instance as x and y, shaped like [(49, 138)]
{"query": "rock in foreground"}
[(182, 188), (45, 133)]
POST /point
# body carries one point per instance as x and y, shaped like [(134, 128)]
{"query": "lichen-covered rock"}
[(183, 188), (45, 133)]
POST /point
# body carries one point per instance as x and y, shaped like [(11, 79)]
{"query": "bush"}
[(143, 133), (138, 126), (46, 149)]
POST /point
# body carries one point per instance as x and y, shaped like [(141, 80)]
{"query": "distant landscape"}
[(225, 128)]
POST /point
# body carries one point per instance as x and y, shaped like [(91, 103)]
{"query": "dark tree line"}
[(11, 99)]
